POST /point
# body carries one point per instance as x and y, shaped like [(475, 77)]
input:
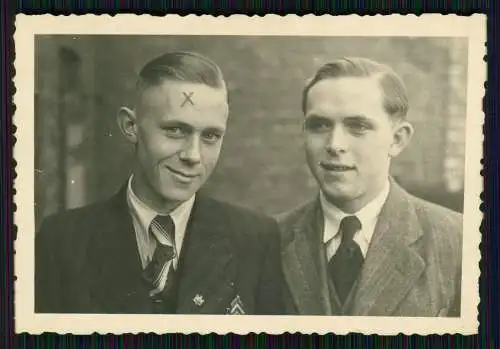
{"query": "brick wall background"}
[(81, 81)]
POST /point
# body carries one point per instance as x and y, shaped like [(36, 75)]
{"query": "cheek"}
[(156, 146), (314, 145), (372, 153), (210, 155)]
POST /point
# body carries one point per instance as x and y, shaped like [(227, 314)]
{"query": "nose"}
[(338, 141), (191, 152)]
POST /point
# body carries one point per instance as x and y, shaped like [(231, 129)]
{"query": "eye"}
[(318, 125), (358, 127), (211, 136), (174, 131)]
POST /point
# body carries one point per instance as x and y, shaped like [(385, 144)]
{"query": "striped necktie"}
[(346, 263), (163, 229)]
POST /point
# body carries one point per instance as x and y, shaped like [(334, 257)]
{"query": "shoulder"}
[(239, 220), (442, 227), (296, 213), (436, 215), (232, 213), (297, 218), (75, 224), (79, 214)]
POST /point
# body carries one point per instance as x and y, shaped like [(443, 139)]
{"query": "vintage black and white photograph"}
[(281, 176)]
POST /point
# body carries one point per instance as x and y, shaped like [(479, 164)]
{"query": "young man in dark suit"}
[(364, 246), (158, 246)]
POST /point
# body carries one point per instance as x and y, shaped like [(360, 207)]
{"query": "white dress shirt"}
[(143, 215), (368, 217)]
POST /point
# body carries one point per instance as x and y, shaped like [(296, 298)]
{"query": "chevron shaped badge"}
[(236, 307)]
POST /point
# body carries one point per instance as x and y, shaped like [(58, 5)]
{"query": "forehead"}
[(184, 101), (346, 95), (182, 94)]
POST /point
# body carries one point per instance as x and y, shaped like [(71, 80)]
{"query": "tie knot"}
[(349, 226), (165, 226)]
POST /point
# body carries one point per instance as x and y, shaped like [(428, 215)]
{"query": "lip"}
[(183, 176), (334, 167)]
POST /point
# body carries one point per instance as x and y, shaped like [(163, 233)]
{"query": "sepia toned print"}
[(307, 180)]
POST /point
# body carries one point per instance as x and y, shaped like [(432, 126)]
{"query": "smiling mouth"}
[(336, 167), (183, 175)]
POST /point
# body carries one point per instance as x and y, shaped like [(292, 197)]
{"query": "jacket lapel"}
[(302, 261), (392, 266), (207, 274), (115, 262), (336, 304)]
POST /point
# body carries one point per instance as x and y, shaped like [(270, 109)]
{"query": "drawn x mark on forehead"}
[(187, 98)]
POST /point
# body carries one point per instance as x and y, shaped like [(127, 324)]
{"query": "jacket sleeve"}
[(47, 267), (456, 302), (270, 297)]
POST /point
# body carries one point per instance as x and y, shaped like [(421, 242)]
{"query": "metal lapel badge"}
[(198, 300)]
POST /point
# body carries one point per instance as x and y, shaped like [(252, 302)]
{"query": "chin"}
[(338, 194), (178, 194)]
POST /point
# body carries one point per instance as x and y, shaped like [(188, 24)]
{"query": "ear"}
[(127, 123), (402, 133)]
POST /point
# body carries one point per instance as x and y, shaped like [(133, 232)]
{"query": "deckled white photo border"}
[(430, 25)]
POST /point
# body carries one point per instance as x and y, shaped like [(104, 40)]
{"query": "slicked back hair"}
[(180, 66), (393, 89)]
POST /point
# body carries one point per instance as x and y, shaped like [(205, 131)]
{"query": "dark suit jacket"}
[(412, 267), (87, 261)]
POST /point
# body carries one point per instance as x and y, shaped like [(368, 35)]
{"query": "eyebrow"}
[(359, 118), (315, 116), (168, 123), (178, 123), (215, 129)]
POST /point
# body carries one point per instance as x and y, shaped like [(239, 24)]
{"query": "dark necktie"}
[(164, 252), (346, 263)]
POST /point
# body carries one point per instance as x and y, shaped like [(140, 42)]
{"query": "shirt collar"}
[(145, 214), (367, 215)]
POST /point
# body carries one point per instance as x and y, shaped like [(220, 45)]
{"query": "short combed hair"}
[(394, 91), (181, 66)]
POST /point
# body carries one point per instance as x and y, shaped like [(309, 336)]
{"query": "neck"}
[(148, 195), (356, 204)]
